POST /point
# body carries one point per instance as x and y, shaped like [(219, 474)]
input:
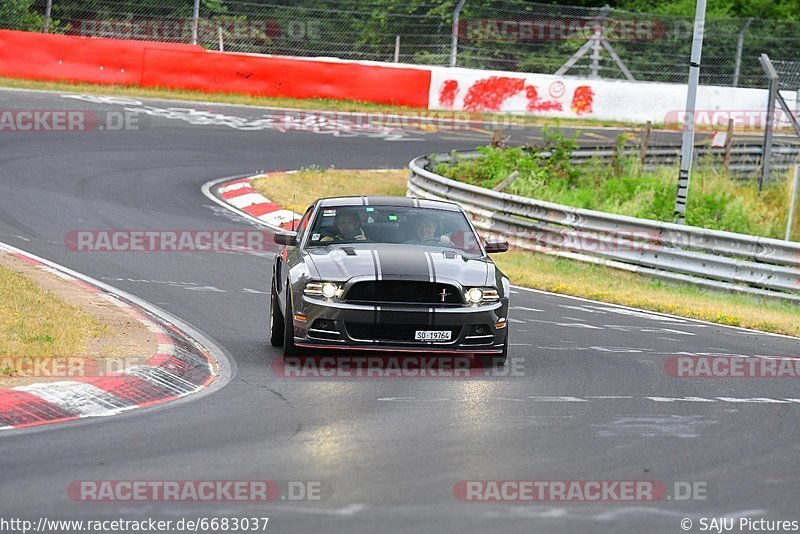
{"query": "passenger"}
[(425, 232), (346, 227)]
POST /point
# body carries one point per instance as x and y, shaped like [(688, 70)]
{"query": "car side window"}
[(303, 224)]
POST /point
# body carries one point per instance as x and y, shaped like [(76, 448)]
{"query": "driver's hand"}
[(444, 240), (361, 237)]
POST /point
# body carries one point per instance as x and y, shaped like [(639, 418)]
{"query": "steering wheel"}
[(432, 240)]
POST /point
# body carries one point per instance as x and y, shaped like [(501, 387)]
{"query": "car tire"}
[(277, 328), (289, 348)]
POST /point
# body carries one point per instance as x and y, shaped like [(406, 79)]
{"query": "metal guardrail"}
[(745, 159), (709, 258)]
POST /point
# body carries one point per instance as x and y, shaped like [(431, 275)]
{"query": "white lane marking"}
[(571, 399), (517, 321), (254, 291), (621, 350), (525, 308), (190, 286), (758, 400), (679, 399), (634, 313), (646, 329), (693, 322), (556, 399), (568, 325), (587, 309)]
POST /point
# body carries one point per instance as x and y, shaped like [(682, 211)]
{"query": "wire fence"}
[(512, 35)]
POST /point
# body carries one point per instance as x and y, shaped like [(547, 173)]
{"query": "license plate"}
[(432, 335)]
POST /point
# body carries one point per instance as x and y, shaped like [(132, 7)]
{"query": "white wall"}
[(554, 96)]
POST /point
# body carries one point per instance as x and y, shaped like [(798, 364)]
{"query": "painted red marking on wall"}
[(582, 100), (490, 93), (536, 104), (448, 92)]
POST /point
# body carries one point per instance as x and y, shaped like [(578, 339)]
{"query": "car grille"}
[(395, 332), (403, 292)]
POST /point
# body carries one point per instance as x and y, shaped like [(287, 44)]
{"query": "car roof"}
[(389, 201)]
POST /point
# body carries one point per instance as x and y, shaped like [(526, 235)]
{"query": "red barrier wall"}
[(286, 77), (37, 56), (177, 66)]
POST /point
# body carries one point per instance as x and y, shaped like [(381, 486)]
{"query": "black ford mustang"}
[(388, 273)]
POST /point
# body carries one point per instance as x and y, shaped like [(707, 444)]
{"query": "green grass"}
[(548, 273), (716, 201), (299, 190), (34, 322), (597, 282)]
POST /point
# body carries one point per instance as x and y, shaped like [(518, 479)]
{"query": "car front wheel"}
[(276, 323), (289, 348)]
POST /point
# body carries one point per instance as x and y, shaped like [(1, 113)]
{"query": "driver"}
[(425, 232), (346, 227)]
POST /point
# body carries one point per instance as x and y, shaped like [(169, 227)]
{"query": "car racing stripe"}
[(407, 262)]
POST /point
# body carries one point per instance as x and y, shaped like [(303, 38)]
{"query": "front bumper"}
[(390, 327)]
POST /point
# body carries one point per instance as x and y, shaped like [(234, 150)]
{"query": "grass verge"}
[(716, 201), (298, 190), (540, 271), (318, 104), (34, 322)]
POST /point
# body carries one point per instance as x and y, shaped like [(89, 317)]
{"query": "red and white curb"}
[(182, 365), (239, 194)]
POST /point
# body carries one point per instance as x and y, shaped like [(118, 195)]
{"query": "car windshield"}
[(393, 224)]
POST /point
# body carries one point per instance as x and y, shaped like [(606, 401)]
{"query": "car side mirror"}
[(495, 246), (288, 239)]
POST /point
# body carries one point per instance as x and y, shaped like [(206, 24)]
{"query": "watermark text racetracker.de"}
[(146, 491), (608, 491), (723, 366), (64, 120), (170, 241), (148, 525), (62, 366), (395, 365)]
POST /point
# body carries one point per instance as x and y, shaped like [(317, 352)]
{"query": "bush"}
[(715, 200)]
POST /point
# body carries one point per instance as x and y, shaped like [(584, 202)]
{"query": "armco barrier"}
[(711, 258), (108, 61)]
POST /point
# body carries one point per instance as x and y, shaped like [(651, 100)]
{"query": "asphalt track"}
[(594, 401)]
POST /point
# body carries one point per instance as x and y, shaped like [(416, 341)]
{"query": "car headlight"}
[(328, 290), (479, 295)]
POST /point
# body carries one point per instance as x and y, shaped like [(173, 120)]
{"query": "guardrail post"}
[(644, 143), (766, 152), (792, 202), (687, 140), (454, 37), (195, 20), (739, 46), (47, 16), (726, 159), (397, 49)]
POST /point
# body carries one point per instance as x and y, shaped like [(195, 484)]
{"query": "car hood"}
[(398, 262)]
